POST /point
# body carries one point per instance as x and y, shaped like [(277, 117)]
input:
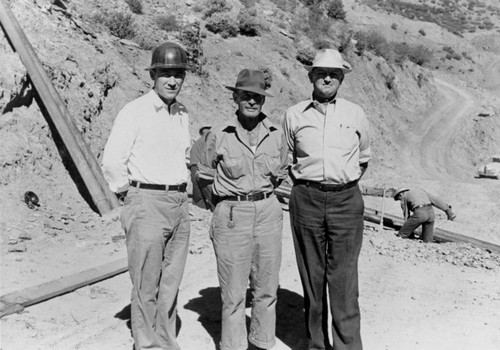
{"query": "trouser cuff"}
[(261, 344)]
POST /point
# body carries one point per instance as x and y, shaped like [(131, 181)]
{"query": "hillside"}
[(433, 125)]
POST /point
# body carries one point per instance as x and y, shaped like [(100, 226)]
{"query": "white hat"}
[(399, 191), (330, 58)]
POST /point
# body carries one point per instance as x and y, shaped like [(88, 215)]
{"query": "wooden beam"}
[(79, 152), (17, 301), (396, 222), (440, 235)]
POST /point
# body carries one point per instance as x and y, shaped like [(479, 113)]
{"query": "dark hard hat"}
[(31, 199), (168, 55)]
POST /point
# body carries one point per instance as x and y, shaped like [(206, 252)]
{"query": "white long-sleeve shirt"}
[(147, 144)]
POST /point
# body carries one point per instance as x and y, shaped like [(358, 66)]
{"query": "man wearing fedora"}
[(145, 157), (330, 144), (417, 205), (249, 155)]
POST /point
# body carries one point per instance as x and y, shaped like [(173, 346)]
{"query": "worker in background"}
[(249, 155), (202, 184), (330, 142), (145, 157), (417, 206)]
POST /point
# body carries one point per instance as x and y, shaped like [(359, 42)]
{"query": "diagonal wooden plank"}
[(17, 301)]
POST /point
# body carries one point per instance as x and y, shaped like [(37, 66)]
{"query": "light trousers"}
[(156, 224), (247, 243)]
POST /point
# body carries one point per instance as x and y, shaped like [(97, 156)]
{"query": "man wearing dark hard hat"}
[(249, 155), (145, 157), (417, 205), (329, 139)]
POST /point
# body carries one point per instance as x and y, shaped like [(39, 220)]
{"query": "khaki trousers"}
[(156, 224)]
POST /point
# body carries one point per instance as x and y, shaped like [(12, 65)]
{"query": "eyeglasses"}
[(332, 73), (247, 96)]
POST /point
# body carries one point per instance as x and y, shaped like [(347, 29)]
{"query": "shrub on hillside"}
[(335, 9), (420, 55), (167, 23), (190, 37), (223, 24), (322, 43), (119, 24), (135, 6), (286, 5), (268, 77), (392, 52), (215, 6), (248, 23), (305, 56), (394, 26), (422, 32), (369, 41)]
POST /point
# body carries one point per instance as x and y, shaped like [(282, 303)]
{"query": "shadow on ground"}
[(125, 315), (289, 315)]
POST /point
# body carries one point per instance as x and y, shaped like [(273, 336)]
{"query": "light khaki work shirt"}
[(240, 170), (328, 141)]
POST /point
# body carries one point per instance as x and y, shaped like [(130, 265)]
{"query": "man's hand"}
[(121, 196)]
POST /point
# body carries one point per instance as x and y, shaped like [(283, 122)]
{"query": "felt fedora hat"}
[(399, 191), (330, 58), (250, 80)]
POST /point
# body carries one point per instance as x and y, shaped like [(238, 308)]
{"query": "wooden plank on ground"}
[(440, 235), (16, 301)]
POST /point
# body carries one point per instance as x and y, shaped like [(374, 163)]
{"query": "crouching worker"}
[(418, 210), (249, 155)]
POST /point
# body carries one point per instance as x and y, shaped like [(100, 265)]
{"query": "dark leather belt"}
[(422, 206), (326, 187), (180, 188), (247, 197)]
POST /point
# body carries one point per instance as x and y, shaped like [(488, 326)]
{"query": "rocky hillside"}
[(96, 72)]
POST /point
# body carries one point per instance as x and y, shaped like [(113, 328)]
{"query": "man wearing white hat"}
[(417, 205), (330, 143)]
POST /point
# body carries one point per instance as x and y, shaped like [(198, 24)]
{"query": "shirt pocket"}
[(348, 138), (233, 166), (268, 163)]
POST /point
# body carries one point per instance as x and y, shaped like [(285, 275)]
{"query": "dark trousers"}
[(328, 230), (421, 216)]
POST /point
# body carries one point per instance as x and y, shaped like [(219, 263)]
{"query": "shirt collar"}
[(317, 105), (233, 124), (159, 104)]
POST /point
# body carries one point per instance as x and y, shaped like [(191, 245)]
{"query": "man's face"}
[(326, 81), (249, 103), (168, 82)]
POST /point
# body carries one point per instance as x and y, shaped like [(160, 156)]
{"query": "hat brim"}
[(250, 89), (398, 192), (346, 68), (167, 66)]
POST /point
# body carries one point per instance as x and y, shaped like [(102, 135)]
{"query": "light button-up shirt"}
[(328, 142), (147, 144)]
